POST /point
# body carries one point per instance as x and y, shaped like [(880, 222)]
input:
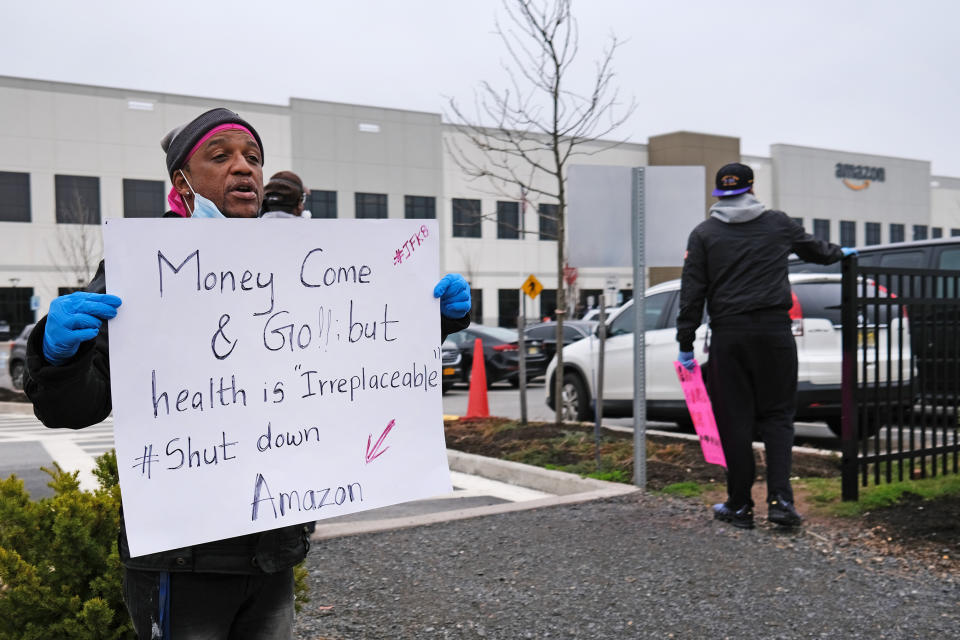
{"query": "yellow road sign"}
[(532, 286)]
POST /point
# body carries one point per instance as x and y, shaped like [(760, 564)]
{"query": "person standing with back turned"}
[(736, 263)]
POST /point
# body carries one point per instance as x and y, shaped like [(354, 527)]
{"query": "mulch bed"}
[(925, 532)]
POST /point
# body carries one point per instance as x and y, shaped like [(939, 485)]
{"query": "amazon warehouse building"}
[(75, 155)]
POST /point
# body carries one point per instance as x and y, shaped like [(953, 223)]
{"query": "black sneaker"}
[(742, 517), (782, 512)]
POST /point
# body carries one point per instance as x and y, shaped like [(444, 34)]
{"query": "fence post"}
[(848, 389)]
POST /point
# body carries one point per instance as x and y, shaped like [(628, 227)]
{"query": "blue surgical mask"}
[(202, 208)]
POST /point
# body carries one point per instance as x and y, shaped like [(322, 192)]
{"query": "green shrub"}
[(60, 571)]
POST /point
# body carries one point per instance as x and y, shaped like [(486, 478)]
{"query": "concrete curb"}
[(25, 408), (524, 475), (570, 489)]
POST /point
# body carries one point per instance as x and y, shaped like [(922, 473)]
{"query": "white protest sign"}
[(266, 373)]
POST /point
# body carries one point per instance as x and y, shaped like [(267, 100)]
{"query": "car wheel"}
[(574, 399), (17, 373)]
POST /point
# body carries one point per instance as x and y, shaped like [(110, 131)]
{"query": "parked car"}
[(816, 328), (942, 253), (594, 314), (451, 361), (500, 353), (4, 330), (546, 333), (17, 364), (934, 342)]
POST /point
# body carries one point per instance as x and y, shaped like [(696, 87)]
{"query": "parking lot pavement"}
[(26, 445)]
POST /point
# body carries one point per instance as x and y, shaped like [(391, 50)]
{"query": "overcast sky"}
[(880, 77)]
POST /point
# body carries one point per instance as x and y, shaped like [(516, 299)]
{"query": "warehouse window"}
[(14, 197), (78, 199), (896, 232), (821, 229), (549, 224), (873, 233), (321, 204), (143, 198), (848, 233), (419, 207), (508, 220), (466, 218), (371, 205)]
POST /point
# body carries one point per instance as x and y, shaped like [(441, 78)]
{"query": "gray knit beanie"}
[(180, 142)]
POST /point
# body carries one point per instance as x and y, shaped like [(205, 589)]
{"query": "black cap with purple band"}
[(733, 179)]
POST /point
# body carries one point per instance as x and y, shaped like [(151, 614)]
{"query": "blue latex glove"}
[(848, 251), (454, 294), (687, 360), (73, 319)]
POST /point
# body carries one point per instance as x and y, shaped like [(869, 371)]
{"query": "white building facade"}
[(76, 155)]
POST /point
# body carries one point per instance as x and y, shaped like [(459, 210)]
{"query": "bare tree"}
[(78, 245), (526, 134)]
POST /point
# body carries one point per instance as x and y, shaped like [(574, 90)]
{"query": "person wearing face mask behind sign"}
[(229, 589)]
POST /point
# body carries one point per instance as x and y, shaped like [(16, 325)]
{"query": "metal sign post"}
[(521, 345), (531, 287), (661, 205), (638, 212), (598, 403)]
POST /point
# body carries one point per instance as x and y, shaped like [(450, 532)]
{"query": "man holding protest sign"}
[(736, 263), (240, 587)]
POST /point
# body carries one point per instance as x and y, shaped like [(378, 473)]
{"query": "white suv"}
[(816, 327)]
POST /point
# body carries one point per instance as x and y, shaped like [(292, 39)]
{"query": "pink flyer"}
[(701, 412)]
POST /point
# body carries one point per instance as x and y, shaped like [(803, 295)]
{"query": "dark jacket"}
[(736, 263), (77, 395)]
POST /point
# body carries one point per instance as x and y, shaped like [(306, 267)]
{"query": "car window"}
[(819, 300), (572, 333), (909, 259), (507, 335), (949, 259), (799, 266), (822, 300), (653, 311), (541, 332)]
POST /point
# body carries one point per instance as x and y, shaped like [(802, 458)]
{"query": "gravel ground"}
[(638, 566)]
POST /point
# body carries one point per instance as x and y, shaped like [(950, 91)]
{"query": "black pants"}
[(752, 383), (212, 606)]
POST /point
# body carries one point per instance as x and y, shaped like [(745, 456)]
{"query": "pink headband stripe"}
[(213, 132), (173, 198)]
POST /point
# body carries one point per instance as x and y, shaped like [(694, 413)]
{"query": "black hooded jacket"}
[(736, 263)]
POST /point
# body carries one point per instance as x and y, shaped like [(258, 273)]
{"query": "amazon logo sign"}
[(857, 176)]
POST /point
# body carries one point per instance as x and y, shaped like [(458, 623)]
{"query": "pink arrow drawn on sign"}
[(373, 454)]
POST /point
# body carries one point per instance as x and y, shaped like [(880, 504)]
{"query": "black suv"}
[(934, 340)]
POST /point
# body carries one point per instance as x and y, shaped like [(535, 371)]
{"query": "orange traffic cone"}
[(477, 406)]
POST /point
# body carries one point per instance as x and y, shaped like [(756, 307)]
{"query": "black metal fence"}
[(901, 374)]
